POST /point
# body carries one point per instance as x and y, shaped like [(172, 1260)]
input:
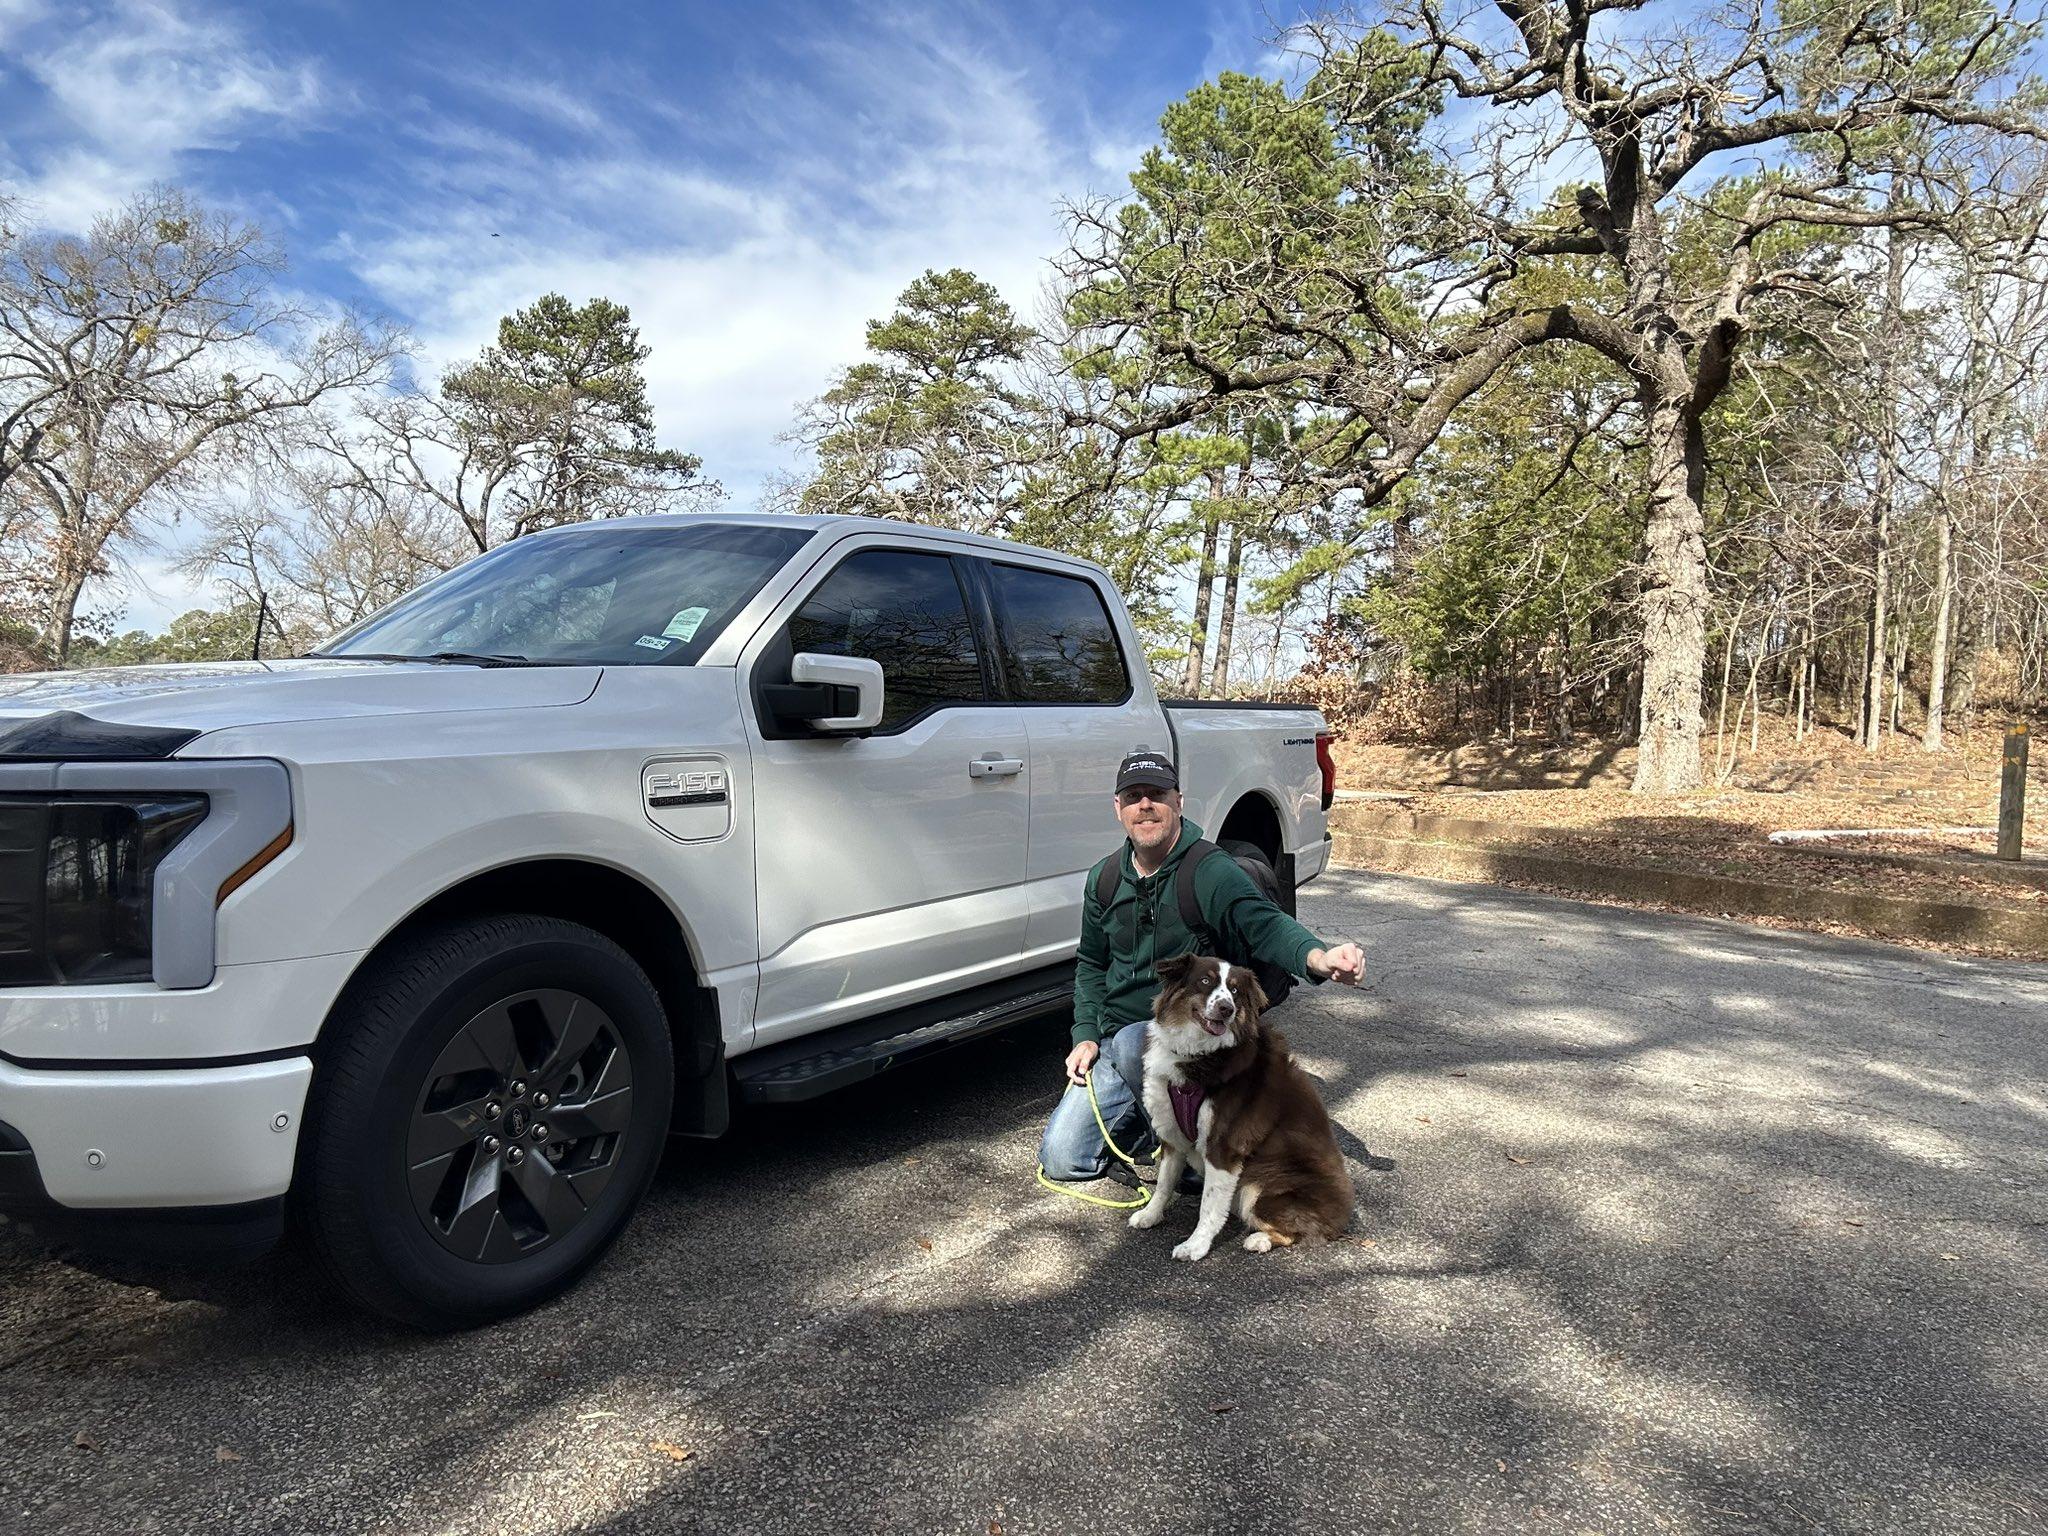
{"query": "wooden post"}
[(2012, 793)]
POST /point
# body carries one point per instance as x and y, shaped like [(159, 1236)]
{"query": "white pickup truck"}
[(434, 935)]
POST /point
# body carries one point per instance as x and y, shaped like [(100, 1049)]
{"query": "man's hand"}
[(1080, 1059), (1344, 965)]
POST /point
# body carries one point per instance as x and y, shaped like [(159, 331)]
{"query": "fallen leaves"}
[(672, 1451), (1499, 1465), (1519, 1162), (1725, 832), (1454, 1074), (925, 1243), (1950, 1258), (1423, 1118), (1221, 1407), (222, 1453), (84, 1442)]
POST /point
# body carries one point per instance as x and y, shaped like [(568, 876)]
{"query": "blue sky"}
[(754, 181)]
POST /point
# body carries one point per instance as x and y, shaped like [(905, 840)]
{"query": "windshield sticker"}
[(653, 642), (684, 625)]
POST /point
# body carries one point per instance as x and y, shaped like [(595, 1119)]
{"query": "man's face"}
[(1151, 817)]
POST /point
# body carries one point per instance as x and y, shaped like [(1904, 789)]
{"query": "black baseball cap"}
[(1145, 767)]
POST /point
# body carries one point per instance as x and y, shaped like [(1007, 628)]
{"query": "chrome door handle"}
[(994, 767)]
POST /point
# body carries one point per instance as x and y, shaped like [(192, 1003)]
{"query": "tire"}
[(490, 1105), (1251, 858)]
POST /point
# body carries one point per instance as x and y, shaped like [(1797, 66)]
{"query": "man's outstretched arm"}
[(1259, 928)]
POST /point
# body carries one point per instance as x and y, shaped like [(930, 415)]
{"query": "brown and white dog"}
[(1222, 1091)]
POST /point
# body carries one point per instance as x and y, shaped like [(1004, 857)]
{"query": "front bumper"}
[(129, 1140), (265, 1008)]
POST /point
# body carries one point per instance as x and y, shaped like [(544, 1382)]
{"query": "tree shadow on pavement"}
[(1666, 1248)]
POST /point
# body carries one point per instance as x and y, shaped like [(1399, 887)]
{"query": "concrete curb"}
[(1495, 860)]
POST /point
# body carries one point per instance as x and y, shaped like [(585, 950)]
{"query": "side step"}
[(814, 1064)]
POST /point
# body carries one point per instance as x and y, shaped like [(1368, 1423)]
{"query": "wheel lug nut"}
[(491, 1145), (518, 1087), (540, 1133), (515, 1155), (493, 1109), (543, 1100)]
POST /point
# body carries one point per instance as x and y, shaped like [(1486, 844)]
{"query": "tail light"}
[(1328, 764)]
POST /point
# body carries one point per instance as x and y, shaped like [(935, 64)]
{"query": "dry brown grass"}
[(1587, 811)]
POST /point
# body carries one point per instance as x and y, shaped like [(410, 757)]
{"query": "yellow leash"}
[(1144, 1194)]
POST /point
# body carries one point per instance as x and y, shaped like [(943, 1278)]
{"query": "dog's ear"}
[(1246, 982), (1175, 969), (1254, 993)]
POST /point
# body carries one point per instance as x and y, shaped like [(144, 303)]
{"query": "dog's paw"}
[(1149, 1214), (1194, 1248), (1258, 1242)]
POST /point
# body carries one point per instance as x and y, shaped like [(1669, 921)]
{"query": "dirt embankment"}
[(1524, 814)]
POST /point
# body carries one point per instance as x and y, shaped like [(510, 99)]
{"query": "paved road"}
[(1690, 1227)]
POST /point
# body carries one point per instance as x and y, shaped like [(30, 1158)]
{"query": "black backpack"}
[(1274, 981)]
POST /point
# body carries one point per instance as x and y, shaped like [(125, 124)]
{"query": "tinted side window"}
[(1061, 643), (905, 611)]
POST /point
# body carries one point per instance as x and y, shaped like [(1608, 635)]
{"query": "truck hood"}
[(213, 695)]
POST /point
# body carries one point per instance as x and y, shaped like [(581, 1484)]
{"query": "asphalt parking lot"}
[(1689, 1227)]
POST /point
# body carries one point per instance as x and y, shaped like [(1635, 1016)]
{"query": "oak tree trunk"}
[(1674, 604), (65, 590)]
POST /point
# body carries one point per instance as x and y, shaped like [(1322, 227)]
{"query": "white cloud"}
[(137, 87), (915, 145), (1115, 159), (925, 139), (534, 97), (15, 15)]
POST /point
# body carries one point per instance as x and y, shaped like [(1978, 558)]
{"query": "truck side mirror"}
[(818, 694)]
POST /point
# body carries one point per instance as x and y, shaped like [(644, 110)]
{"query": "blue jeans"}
[(1072, 1149)]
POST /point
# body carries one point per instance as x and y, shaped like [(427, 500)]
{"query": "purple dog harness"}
[(1187, 1107)]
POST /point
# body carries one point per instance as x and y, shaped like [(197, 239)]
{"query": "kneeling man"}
[(1122, 942)]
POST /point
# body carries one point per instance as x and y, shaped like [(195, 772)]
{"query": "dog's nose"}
[(1226, 1007)]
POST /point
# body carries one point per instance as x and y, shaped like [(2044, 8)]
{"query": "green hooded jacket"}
[(1115, 976)]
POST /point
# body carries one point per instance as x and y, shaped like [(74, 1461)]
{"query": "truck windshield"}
[(601, 595)]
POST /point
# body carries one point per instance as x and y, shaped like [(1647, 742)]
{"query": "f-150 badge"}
[(696, 786), (688, 798)]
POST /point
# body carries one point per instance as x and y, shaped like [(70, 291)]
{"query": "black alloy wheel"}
[(490, 1101), (517, 1130)]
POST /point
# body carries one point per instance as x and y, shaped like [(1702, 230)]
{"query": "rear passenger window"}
[(1058, 638), (905, 611)]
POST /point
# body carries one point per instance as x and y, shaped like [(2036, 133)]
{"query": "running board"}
[(815, 1064)]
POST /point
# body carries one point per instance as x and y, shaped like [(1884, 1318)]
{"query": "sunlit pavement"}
[(1690, 1227)]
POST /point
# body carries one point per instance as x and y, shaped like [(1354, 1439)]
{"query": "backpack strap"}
[(1107, 874), (1191, 916)]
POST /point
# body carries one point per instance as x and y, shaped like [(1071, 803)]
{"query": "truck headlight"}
[(77, 882)]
